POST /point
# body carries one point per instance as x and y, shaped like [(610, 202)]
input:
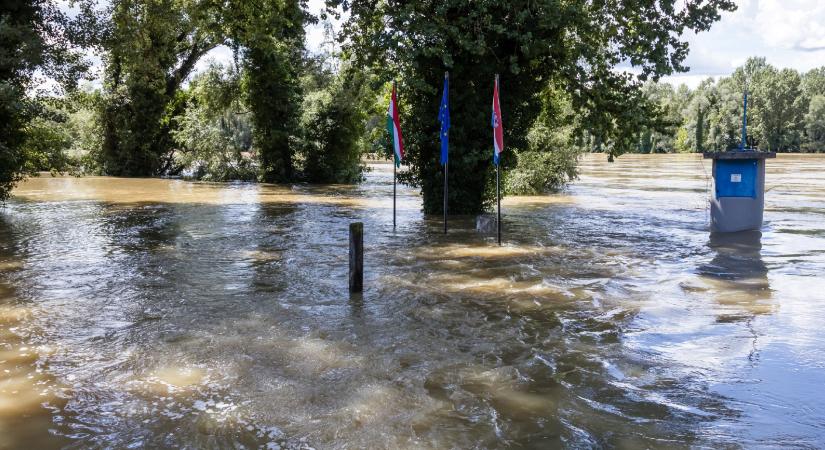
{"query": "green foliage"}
[(334, 124), (529, 43), (46, 145), (813, 82), (14, 115), (152, 47), (34, 35), (214, 134), (658, 117), (550, 159), (775, 104), (815, 124), (273, 94), (782, 108), (538, 172), (680, 142), (85, 130), (270, 38), (64, 135), (710, 117), (700, 130), (724, 112)]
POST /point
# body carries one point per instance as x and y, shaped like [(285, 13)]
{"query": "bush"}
[(214, 135), (541, 172), (334, 124), (548, 164)]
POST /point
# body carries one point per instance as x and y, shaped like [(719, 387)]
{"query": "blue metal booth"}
[(738, 200), (738, 194)]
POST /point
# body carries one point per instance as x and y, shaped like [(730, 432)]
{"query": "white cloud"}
[(691, 81), (788, 33), (221, 55), (791, 24)]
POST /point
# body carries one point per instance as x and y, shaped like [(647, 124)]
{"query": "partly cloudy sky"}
[(789, 33)]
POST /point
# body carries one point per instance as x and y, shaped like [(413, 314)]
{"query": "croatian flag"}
[(498, 128), (394, 128)]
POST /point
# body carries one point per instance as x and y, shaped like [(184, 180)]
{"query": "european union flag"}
[(444, 118)]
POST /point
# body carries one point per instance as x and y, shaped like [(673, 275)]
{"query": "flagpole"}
[(445, 196), (498, 197), (446, 170), (498, 191), (393, 189), (394, 166)]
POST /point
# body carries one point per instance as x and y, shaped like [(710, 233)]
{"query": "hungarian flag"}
[(498, 128), (394, 128)]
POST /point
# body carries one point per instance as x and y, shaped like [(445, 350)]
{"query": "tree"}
[(815, 124), (34, 35), (529, 43), (813, 82), (721, 105), (623, 114), (780, 115), (700, 129), (552, 152), (151, 46), (665, 111), (697, 110), (215, 131), (269, 36), (334, 124), (780, 108)]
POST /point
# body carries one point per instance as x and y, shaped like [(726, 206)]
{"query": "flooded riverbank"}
[(164, 313)]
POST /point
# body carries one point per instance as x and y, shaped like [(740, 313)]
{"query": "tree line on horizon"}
[(279, 113), (786, 112)]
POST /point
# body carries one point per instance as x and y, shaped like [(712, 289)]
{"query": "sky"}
[(788, 33)]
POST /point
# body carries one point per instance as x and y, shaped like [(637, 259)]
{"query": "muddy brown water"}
[(144, 313)]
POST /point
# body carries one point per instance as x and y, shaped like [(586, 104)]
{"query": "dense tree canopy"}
[(576, 45), (151, 47), (784, 112), (270, 36), (34, 36)]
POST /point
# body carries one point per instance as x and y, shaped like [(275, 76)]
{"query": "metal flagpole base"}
[(498, 198), (446, 195)]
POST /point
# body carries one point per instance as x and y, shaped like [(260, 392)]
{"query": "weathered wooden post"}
[(356, 257)]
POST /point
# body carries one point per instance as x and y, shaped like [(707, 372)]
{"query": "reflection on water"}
[(737, 274), (163, 313)]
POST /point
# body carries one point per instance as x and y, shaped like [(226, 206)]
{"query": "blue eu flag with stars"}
[(444, 118)]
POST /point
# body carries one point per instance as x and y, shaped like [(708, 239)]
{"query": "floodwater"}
[(162, 313)]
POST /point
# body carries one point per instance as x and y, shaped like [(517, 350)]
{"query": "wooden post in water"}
[(356, 257)]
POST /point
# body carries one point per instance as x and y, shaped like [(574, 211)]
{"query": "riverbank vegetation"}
[(786, 112), (281, 113)]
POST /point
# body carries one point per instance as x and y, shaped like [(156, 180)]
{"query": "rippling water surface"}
[(163, 313)]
